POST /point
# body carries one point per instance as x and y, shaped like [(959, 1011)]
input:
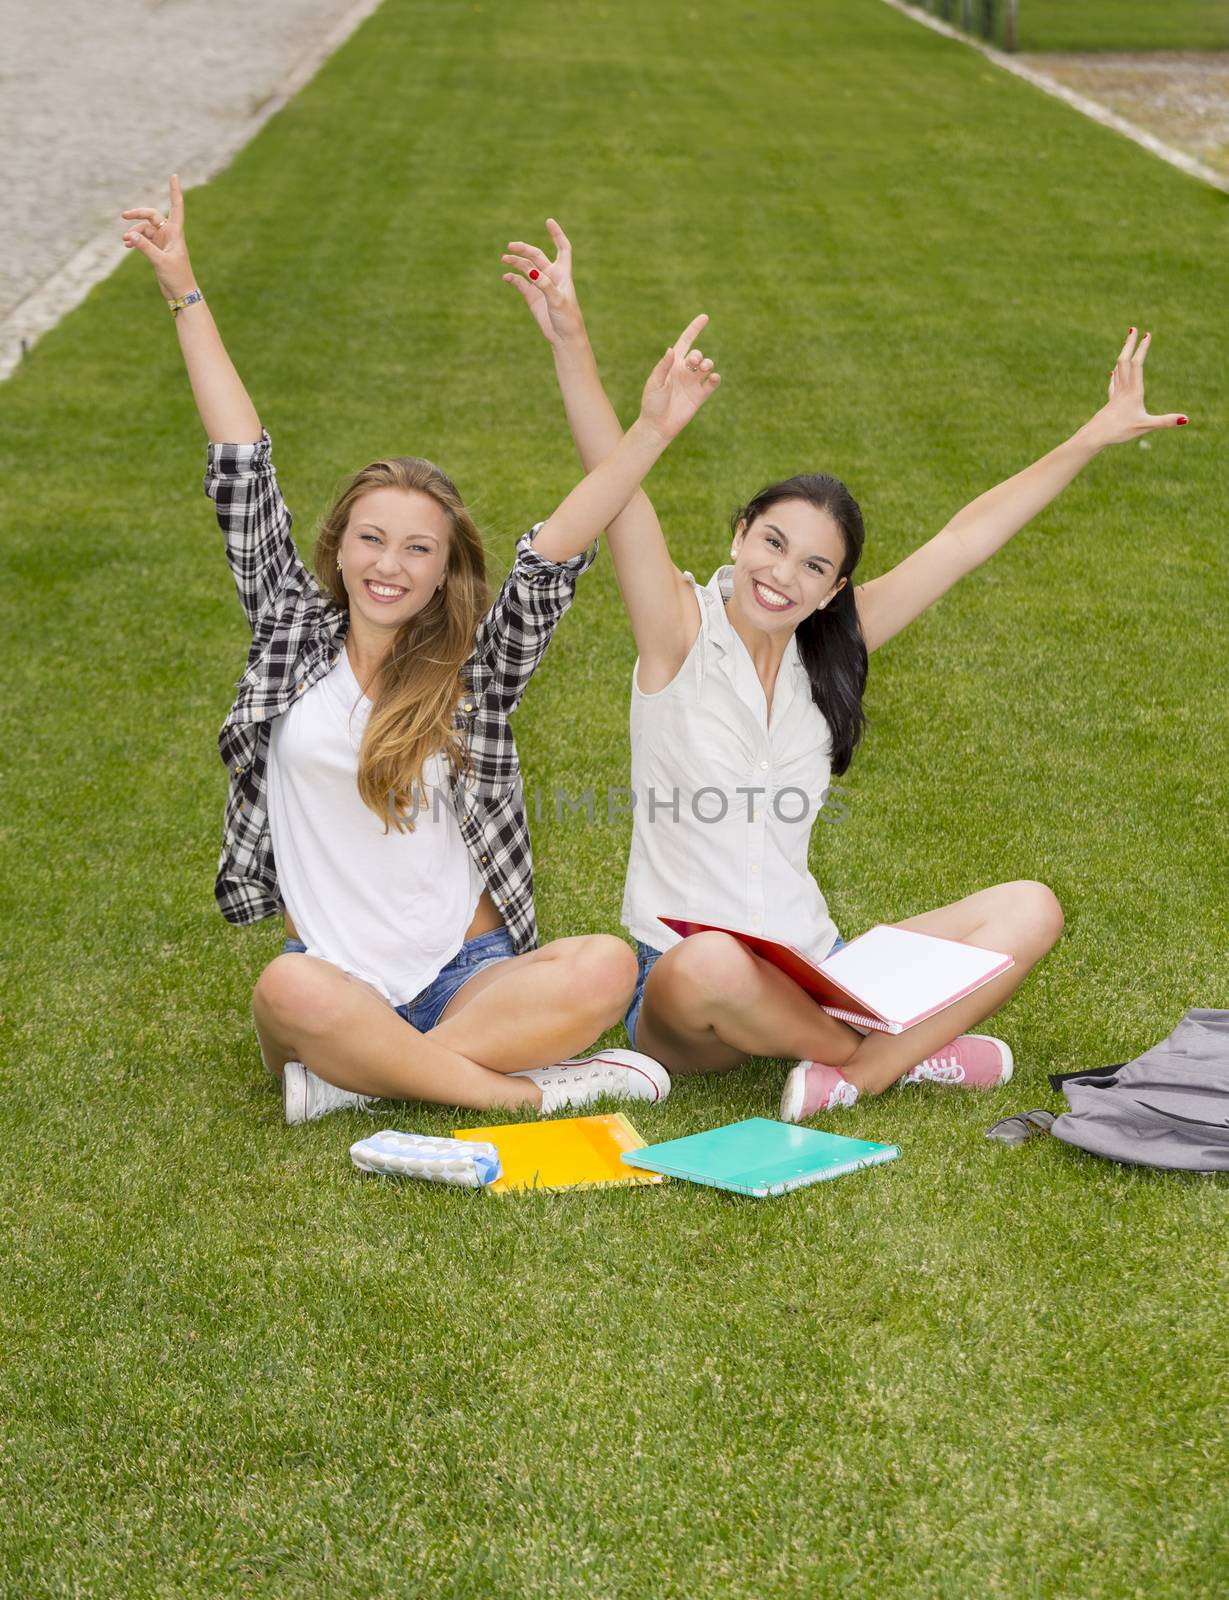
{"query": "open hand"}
[(161, 240), (1124, 416), (546, 286), (679, 384)]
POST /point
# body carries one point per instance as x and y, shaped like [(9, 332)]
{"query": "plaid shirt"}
[(297, 634)]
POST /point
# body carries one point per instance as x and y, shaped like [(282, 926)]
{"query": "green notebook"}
[(761, 1157)]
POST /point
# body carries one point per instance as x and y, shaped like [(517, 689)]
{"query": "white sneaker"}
[(306, 1097), (621, 1074)]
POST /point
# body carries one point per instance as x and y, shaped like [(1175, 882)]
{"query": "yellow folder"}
[(568, 1153)]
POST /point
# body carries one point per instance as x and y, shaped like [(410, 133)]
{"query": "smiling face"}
[(786, 565), (393, 556)]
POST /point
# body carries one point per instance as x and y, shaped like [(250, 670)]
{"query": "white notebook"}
[(902, 977), (888, 979)]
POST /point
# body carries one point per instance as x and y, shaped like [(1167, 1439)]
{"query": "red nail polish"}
[(1130, 331), (533, 273), (1182, 422)]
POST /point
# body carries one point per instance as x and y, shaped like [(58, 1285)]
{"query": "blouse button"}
[(763, 766), (485, 859)]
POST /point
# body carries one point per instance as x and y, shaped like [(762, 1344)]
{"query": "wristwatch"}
[(188, 299)]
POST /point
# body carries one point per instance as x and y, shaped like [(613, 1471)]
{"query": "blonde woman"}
[(375, 797)]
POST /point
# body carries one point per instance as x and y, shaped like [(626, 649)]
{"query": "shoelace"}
[(939, 1069), (335, 1096), (600, 1073), (559, 1088), (845, 1094)]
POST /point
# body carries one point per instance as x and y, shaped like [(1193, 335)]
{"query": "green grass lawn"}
[(1102, 24), (232, 1367), (1123, 24)]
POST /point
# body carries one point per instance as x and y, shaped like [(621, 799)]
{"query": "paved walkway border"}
[(96, 259), (69, 284), (1078, 102)]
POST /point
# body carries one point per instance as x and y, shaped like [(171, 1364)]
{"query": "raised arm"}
[(239, 478), (676, 389), (890, 603), (225, 409), (661, 610)]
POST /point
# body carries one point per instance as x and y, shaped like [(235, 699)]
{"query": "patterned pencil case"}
[(414, 1155)]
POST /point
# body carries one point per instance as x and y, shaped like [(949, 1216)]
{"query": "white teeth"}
[(378, 588), (769, 598)]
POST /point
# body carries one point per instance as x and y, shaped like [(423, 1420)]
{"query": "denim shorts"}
[(648, 958), (425, 1009)]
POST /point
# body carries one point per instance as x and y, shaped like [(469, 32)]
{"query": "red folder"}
[(886, 980)]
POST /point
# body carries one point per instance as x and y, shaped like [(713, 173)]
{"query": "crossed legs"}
[(709, 1003), (527, 1011)]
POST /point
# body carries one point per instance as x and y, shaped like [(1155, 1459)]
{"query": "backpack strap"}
[(1099, 1077)]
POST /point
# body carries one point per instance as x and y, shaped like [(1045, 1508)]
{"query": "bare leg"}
[(1023, 919), (527, 1011), (709, 1004), (309, 1010), (536, 1009)]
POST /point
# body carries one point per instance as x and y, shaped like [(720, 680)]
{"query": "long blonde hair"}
[(419, 683)]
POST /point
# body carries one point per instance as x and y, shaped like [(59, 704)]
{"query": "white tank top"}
[(724, 798), (391, 908)]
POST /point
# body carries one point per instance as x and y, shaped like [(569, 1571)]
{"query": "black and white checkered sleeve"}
[(242, 482), (513, 636)]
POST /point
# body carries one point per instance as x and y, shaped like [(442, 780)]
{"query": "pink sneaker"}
[(974, 1061), (813, 1087)]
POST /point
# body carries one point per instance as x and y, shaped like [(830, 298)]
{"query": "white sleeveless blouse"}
[(724, 799)]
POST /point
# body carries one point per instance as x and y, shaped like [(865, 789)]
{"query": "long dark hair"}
[(830, 641)]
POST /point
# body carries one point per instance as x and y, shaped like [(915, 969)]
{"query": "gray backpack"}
[(1168, 1108)]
